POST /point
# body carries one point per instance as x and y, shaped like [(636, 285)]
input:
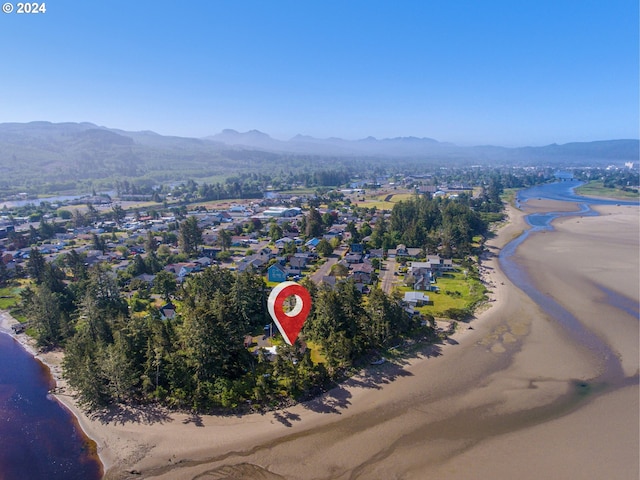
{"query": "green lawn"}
[(9, 297), (464, 293)]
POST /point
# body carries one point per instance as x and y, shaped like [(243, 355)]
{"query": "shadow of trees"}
[(194, 418), (375, 377), (141, 414), (285, 418), (331, 401)]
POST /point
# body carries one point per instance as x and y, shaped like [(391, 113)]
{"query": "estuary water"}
[(39, 438), (564, 191)]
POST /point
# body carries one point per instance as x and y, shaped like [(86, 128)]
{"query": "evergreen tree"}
[(224, 239), (249, 299), (165, 284), (118, 371), (81, 367), (99, 243), (36, 265), (190, 236), (42, 308), (150, 243), (76, 262), (314, 225), (4, 274)]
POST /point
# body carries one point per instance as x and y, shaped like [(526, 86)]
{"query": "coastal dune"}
[(513, 394)]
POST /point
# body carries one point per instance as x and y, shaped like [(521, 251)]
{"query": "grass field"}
[(597, 189), (383, 200)]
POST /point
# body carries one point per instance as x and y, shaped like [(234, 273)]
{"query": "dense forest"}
[(199, 360)]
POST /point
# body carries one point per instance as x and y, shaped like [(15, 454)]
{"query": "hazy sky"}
[(470, 72)]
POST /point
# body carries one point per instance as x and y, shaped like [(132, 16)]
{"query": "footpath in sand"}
[(499, 401)]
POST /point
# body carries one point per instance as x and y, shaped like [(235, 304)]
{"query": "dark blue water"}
[(39, 439), (564, 191)]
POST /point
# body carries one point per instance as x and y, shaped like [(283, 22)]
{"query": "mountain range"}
[(608, 150), (44, 152)]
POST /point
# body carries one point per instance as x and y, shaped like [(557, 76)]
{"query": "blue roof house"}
[(313, 243)]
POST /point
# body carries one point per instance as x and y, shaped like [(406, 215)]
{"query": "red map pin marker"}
[(289, 323)]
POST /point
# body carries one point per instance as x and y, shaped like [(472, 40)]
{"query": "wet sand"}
[(513, 397)]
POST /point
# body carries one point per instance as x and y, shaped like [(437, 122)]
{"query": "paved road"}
[(388, 278), (324, 269)]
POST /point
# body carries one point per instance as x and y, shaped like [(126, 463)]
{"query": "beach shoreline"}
[(509, 359)]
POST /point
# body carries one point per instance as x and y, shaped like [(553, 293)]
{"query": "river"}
[(563, 191), (39, 438)]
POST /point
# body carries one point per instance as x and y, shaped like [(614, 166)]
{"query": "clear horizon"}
[(459, 72)]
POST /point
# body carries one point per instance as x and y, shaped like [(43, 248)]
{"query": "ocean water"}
[(39, 438)]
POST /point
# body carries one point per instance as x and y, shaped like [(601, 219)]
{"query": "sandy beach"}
[(514, 396)]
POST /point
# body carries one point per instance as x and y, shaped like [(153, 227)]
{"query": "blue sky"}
[(495, 72)]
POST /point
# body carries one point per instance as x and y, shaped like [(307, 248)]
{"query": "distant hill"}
[(59, 155), (42, 152), (596, 151)]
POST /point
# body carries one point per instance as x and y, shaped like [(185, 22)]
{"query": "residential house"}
[(146, 278), (186, 269), (253, 262), (276, 273), (313, 243), (298, 262), (167, 311), (282, 242), (352, 258), (423, 277), (239, 241), (182, 270), (266, 253), (204, 262), (402, 251), (225, 217), (362, 273), (282, 212), (211, 252), (415, 299), (356, 248), (425, 273), (329, 280)]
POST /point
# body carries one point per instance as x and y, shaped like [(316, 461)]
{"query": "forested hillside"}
[(42, 157)]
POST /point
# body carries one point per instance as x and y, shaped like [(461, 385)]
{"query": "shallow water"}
[(564, 191)]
